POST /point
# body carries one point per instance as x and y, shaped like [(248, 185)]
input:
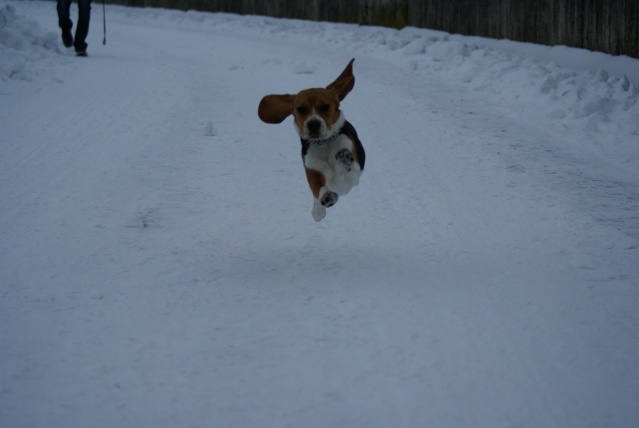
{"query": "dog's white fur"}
[(340, 179)]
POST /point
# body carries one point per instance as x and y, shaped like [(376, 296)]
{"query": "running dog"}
[(332, 153)]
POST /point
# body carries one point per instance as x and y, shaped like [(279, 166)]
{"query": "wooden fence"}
[(609, 26)]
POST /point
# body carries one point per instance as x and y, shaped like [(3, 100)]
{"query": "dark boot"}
[(67, 39), (64, 21), (84, 16)]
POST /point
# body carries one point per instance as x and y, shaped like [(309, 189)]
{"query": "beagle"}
[(332, 153)]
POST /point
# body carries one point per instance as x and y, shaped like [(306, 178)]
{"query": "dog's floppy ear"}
[(344, 83), (275, 108)]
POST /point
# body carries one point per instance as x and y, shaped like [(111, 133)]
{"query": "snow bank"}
[(24, 46), (592, 105)]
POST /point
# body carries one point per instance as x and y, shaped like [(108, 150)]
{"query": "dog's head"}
[(316, 111)]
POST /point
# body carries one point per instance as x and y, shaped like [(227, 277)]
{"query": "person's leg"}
[(64, 21), (81, 31)]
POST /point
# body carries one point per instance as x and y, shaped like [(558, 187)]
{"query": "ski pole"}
[(104, 20)]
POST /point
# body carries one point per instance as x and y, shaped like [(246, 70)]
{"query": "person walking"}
[(81, 31)]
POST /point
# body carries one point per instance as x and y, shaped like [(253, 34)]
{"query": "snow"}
[(159, 264), (23, 46)]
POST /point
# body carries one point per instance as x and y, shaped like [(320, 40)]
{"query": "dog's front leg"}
[(324, 198), (346, 169)]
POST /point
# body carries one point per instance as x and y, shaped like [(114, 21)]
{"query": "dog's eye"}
[(302, 110), (324, 108)]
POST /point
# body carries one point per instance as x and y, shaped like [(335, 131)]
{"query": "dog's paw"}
[(329, 199), (345, 157), (318, 212)]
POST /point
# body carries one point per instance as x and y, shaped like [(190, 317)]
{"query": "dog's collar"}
[(324, 141)]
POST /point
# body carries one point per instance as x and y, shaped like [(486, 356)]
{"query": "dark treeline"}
[(602, 25)]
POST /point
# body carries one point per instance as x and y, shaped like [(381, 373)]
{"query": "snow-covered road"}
[(159, 265)]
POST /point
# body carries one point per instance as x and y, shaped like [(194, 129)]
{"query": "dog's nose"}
[(313, 126)]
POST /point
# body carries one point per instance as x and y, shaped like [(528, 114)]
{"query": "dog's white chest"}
[(321, 157)]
